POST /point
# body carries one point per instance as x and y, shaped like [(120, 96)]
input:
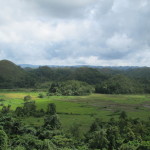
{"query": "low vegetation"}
[(122, 134)]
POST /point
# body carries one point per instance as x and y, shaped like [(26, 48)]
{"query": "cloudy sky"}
[(75, 32)]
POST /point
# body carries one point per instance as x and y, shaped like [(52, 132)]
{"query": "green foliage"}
[(123, 115), (19, 148), (48, 145), (40, 95), (96, 125), (27, 98), (62, 141), (113, 136), (70, 88), (1, 99), (105, 80), (10, 124), (29, 130), (130, 146), (118, 84), (44, 133), (52, 122), (116, 134), (145, 145), (51, 109), (75, 131), (19, 111), (10, 74), (6, 109), (27, 141), (29, 108), (3, 140), (98, 140)]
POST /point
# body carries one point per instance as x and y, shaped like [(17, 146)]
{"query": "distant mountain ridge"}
[(28, 66), (78, 66)]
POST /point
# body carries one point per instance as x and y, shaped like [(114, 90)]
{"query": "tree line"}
[(103, 80), (116, 134)]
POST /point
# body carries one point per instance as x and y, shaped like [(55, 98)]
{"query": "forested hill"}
[(10, 74), (9, 70), (103, 79)]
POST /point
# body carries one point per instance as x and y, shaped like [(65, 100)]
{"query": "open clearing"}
[(82, 109)]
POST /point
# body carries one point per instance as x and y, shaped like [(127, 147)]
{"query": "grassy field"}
[(83, 109)]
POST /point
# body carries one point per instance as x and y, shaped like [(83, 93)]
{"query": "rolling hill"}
[(10, 72)]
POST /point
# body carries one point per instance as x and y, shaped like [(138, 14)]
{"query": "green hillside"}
[(10, 73), (104, 80), (9, 70)]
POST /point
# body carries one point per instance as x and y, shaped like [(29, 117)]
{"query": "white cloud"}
[(119, 42), (95, 32)]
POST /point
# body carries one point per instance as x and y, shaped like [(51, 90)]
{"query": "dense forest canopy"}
[(70, 88), (104, 80)]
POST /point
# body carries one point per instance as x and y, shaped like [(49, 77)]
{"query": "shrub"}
[(27, 98), (40, 95)]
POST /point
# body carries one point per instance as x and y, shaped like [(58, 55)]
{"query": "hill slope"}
[(10, 72)]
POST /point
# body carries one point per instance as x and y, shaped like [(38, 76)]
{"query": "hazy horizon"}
[(78, 65), (68, 33)]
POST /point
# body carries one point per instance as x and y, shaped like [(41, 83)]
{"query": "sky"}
[(75, 32)]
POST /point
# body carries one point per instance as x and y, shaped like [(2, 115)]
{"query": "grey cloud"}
[(63, 8), (64, 32)]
